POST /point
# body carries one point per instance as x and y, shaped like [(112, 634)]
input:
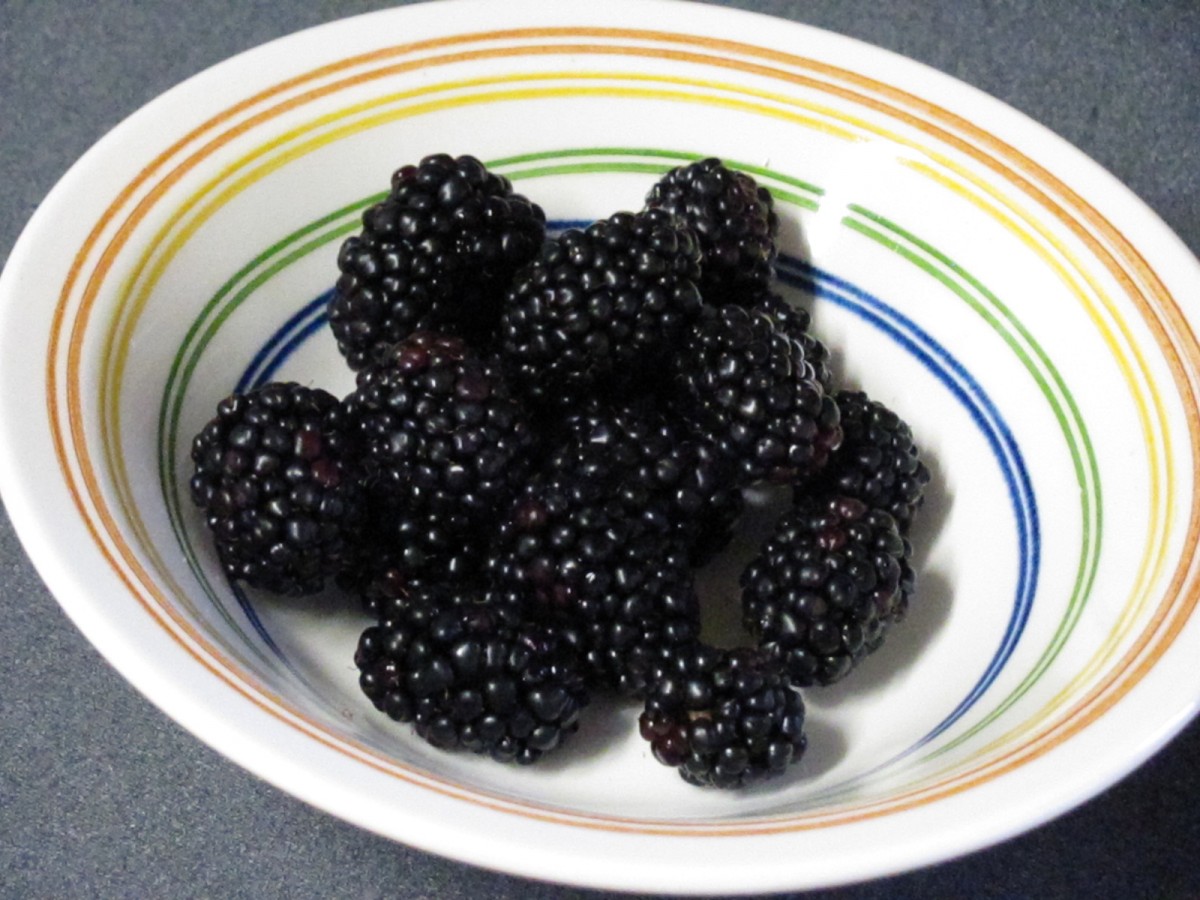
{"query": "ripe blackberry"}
[(440, 430), (470, 675), (826, 587), (734, 219), (795, 323), (749, 391), (878, 462), (596, 310), (400, 546), (278, 479), (724, 718), (635, 442), (436, 254), (601, 566), (622, 641)]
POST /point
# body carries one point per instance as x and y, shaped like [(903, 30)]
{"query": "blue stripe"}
[(558, 226), (311, 318), (239, 594), (984, 413), (282, 344), (289, 346)]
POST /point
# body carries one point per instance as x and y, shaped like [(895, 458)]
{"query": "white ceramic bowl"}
[(1030, 318)]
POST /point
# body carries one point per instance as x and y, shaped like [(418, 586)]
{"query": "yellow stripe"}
[(1150, 565)]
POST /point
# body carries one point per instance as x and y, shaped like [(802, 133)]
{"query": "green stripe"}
[(188, 357), (640, 168), (677, 156), (575, 152), (231, 307), (795, 199), (760, 172), (1086, 572), (589, 168)]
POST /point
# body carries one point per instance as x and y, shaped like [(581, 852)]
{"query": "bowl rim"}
[(174, 690)]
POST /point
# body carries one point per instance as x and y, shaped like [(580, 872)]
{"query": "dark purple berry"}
[(878, 462), (723, 718), (436, 254), (749, 391), (277, 474), (440, 430), (597, 309), (734, 220), (827, 586), (469, 674)]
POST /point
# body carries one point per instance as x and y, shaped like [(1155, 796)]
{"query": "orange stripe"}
[(1100, 699)]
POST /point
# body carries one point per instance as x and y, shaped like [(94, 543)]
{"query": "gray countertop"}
[(103, 796)]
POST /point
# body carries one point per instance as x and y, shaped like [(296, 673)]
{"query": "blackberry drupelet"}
[(277, 476), (603, 567), (734, 219), (748, 390), (724, 718), (598, 308), (826, 587), (436, 254), (471, 675), (878, 462), (637, 442), (439, 428)]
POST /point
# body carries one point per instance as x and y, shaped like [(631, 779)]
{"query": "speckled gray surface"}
[(103, 796)]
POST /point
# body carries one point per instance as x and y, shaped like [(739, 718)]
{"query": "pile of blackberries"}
[(548, 435)]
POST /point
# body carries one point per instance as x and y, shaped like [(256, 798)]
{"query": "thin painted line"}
[(676, 156), (216, 314), (779, 194), (1088, 564), (269, 358), (925, 348)]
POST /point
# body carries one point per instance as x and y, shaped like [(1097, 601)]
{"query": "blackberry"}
[(635, 442), (622, 642), (749, 391), (595, 311), (401, 545), (878, 462), (734, 219), (436, 254), (603, 567), (277, 476), (470, 675), (826, 587), (440, 429), (724, 718), (795, 322)]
